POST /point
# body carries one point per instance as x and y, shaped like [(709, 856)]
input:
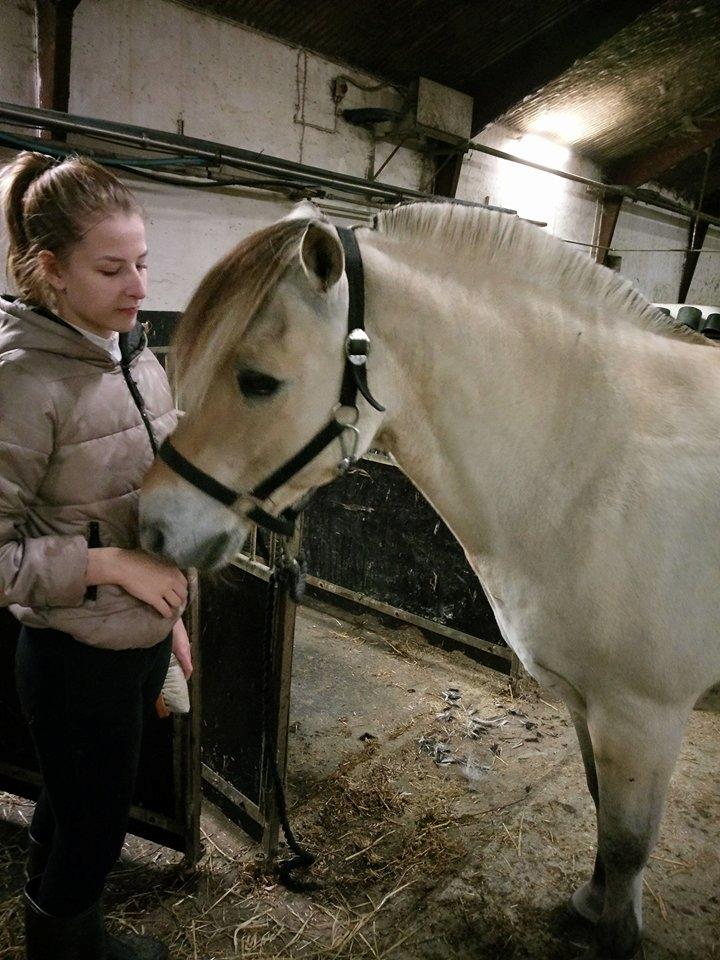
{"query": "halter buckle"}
[(357, 346), (349, 450)]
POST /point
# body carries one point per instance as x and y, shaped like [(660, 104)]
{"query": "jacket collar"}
[(131, 343)]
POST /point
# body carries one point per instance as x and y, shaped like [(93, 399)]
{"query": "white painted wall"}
[(566, 207), (163, 61), (157, 62), (641, 228), (17, 52), (570, 211)]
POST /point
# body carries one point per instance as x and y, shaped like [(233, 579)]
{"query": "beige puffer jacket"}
[(74, 449)]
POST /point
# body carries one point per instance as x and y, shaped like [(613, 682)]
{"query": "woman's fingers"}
[(164, 608), (174, 598)]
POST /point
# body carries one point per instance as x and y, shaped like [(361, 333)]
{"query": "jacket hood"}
[(29, 328)]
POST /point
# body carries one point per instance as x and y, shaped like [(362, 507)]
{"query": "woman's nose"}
[(137, 286)]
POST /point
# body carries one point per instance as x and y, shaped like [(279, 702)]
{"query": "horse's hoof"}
[(586, 904)]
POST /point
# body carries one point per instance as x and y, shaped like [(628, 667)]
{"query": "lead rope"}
[(289, 573)]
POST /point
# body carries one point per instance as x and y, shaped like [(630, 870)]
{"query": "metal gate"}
[(240, 670), (372, 539)]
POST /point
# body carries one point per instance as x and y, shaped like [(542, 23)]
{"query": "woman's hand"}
[(159, 584), (181, 648)]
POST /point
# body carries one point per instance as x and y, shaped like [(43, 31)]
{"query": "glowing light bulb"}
[(567, 127)]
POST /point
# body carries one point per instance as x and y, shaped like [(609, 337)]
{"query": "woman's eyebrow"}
[(120, 259)]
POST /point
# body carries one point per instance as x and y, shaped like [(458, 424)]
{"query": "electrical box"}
[(431, 112), (442, 113)]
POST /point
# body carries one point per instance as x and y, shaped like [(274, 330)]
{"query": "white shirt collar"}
[(111, 344)]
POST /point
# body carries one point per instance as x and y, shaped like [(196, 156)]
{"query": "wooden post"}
[(191, 740), (53, 23), (609, 212)]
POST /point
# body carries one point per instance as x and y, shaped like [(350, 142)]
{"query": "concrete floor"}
[(516, 803)]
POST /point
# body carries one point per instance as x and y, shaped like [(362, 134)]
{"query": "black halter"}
[(343, 420)]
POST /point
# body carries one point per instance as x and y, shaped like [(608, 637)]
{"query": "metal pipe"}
[(287, 170), (217, 154), (397, 613), (638, 194), (701, 197)]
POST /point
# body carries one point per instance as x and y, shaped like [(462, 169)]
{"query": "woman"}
[(83, 406)]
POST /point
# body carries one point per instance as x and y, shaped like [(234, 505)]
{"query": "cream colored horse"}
[(567, 433)]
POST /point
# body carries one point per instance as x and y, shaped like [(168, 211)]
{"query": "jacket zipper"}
[(93, 541), (94, 535), (139, 403)]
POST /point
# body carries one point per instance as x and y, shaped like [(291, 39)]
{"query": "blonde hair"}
[(222, 307), (50, 205)]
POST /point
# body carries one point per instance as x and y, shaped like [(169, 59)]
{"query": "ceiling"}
[(635, 85)]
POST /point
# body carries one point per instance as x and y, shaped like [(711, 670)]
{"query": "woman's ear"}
[(51, 270)]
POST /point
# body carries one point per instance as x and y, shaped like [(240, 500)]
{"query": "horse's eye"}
[(255, 384)]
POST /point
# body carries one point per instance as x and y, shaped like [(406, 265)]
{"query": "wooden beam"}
[(447, 174), (503, 83), (634, 171), (697, 231), (609, 212), (53, 21)]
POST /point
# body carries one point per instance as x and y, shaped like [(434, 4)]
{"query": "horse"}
[(564, 428)]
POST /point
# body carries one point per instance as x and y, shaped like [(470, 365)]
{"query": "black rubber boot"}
[(37, 857), (81, 937), (62, 938)]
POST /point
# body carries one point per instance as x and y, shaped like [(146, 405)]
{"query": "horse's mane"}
[(234, 289), (491, 234)]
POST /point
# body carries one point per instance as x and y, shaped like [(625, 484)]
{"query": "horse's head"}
[(259, 361)]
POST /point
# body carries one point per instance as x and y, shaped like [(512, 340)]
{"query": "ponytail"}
[(14, 184), (50, 205)]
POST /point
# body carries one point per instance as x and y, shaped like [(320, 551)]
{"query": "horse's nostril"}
[(213, 551), (153, 538)]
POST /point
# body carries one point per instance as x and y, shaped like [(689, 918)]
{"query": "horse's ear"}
[(306, 210), (321, 256)]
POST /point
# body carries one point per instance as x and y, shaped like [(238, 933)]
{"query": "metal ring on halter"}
[(344, 406)]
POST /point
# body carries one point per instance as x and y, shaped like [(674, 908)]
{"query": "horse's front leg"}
[(635, 749), (588, 900)]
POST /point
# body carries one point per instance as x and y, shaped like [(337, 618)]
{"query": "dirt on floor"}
[(448, 814)]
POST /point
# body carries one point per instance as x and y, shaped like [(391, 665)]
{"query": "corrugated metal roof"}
[(449, 42), (657, 79)]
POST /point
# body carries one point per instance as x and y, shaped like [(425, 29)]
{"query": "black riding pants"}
[(85, 707)]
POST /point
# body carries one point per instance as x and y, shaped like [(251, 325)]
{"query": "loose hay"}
[(375, 843)]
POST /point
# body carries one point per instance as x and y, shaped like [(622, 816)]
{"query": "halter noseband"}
[(357, 350)]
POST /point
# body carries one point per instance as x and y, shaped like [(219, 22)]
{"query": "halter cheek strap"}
[(357, 350)]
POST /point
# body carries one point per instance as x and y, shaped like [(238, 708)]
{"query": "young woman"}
[(83, 406)]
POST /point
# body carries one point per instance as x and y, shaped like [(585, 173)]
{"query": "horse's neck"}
[(485, 378)]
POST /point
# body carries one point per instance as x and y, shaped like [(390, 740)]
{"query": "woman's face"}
[(102, 280)]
